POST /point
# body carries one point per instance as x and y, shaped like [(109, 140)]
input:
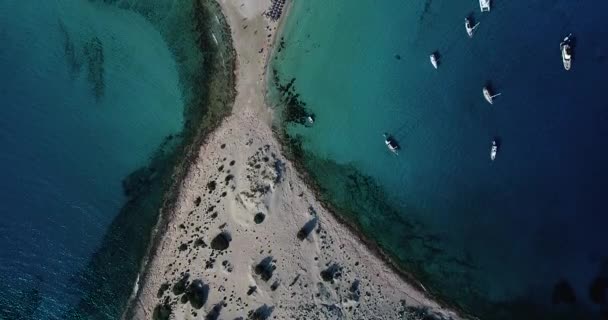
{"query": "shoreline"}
[(281, 135), (277, 193), (183, 167)]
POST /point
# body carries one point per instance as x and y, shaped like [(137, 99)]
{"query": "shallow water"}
[(493, 237), (93, 102)]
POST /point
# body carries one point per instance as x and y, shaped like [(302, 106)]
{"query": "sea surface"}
[(523, 237), (94, 97)]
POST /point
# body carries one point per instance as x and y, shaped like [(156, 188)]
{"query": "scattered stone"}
[(265, 268), (200, 243), (275, 285), (221, 241), (214, 314), (162, 312), (180, 286), (162, 289), (261, 313), (331, 273), (307, 228)]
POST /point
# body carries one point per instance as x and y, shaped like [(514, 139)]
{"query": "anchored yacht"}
[(566, 48), (484, 5), (493, 150)]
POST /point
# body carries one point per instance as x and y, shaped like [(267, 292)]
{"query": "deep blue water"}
[(88, 93), (493, 237)]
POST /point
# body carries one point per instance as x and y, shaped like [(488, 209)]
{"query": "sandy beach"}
[(247, 238)]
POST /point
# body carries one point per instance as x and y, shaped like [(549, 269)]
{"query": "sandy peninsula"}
[(248, 240)]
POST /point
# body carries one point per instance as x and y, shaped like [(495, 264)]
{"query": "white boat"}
[(470, 29), (489, 96), (434, 61), (493, 150), (310, 119), (566, 49), (391, 143), (484, 5)]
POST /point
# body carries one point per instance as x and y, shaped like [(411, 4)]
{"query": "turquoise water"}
[(94, 99), (495, 238)]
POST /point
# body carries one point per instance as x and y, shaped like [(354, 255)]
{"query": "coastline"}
[(283, 190), (215, 91)]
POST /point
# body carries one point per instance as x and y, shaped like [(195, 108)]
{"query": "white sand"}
[(251, 176)]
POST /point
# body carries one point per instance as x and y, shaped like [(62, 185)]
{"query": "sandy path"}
[(218, 258)]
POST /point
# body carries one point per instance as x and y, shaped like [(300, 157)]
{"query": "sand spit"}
[(248, 240)]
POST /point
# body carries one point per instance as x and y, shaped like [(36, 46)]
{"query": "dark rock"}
[(214, 314), (265, 268), (183, 247), (200, 243), (162, 312), (211, 185), (259, 218), (223, 146), (597, 291), (180, 286), (221, 241), (251, 290), (261, 313), (398, 57), (197, 202), (162, 289), (331, 273), (307, 228), (275, 285), (563, 293), (197, 293), (354, 287)]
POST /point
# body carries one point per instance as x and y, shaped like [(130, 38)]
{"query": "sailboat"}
[(489, 96), (434, 61), (469, 28), (566, 49)]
